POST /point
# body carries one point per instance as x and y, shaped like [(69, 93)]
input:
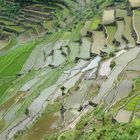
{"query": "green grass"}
[(117, 131), (137, 12), (7, 22), (68, 135), (12, 42), (4, 86), (48, 25), (132, 104), (66, 35), (76, 33), (14, 83), (94, 24), (11, 63), (16, 28), (137, 122)]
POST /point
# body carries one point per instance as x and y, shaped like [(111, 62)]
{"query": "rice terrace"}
[(69, 69)]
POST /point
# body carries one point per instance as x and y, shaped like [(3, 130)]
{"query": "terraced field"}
[(70, 72), (136, 17)]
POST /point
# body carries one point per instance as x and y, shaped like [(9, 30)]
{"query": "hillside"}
[(69, 70)]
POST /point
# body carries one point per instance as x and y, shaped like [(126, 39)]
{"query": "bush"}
[(112, 65), (111, 54)]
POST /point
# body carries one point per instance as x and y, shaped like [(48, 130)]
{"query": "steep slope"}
[(70, 70)]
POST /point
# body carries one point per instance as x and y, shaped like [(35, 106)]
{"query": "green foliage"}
[(133, 103), (94, 24), (116, 132), (76, 33), (4, 85), (11, 63), (111, 54), (137, 122), (68, 135), (9, 9), (112, 65), (108, 130)]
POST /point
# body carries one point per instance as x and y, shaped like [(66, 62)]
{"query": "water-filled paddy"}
[(111, 31), (108, 17), (121, 63), (120, 13), (74, 50), (107, 84), (85, 48), (134, 3), (58, 58), (41, 128), (128, 31), (4, 107), (135, 64), (119, 33), (123, 116), (75, 100), (99, 42), (136, 23)]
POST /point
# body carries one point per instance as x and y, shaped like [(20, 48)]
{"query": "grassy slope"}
[(11, 63)]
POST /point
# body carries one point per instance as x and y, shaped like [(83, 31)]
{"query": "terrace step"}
[(30, 15), (37, 13), (11, 23), (9, 19), (4, 35), (38, 8), (19, 19), (7, 22), (30, 19), (10, 29)]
